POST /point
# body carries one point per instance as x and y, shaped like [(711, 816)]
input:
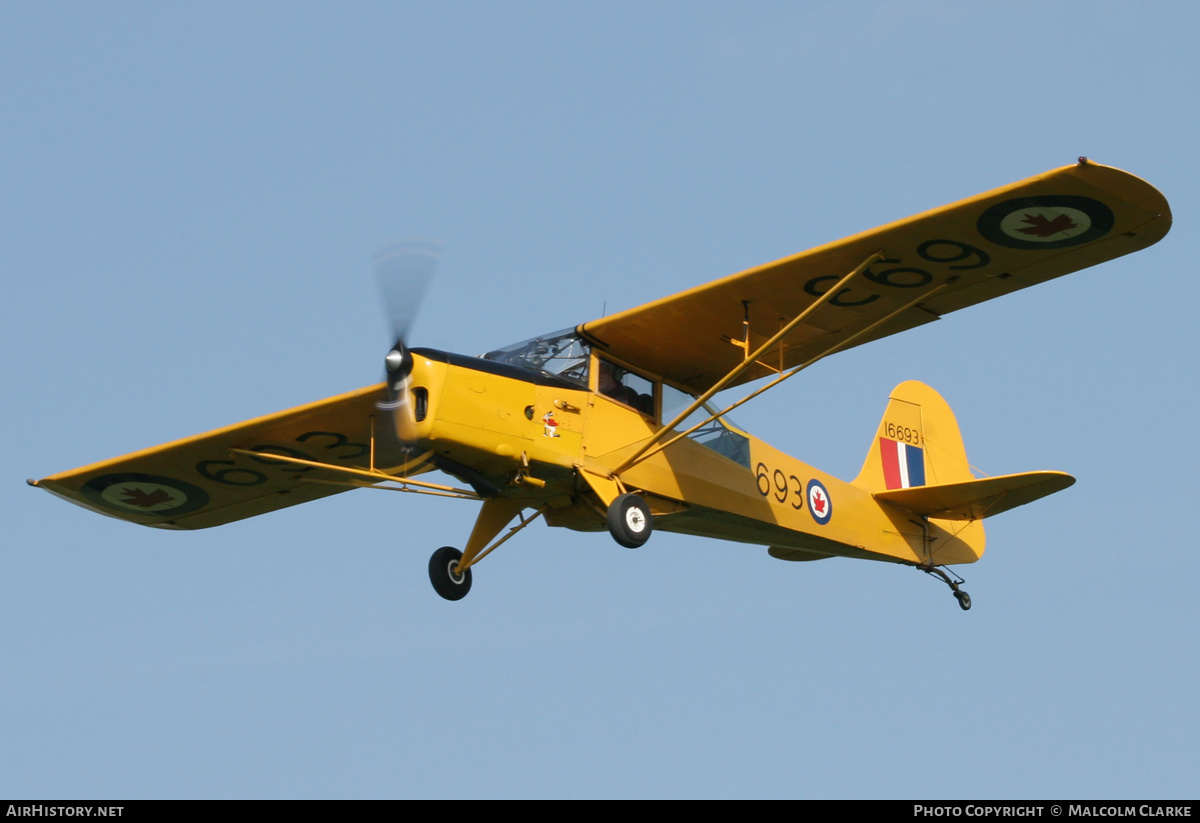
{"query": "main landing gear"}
[(964, 599), (450, 569), (444, 574), (629, 521)]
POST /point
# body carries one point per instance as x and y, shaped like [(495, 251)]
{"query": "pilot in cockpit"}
[(612, 384)]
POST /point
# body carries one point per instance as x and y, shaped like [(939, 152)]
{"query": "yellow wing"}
[(199, 482), (961, 254)]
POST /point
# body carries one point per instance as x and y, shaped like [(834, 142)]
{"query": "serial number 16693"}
[(905, 434)]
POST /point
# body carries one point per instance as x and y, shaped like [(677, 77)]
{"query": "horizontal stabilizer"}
[(976, 499)]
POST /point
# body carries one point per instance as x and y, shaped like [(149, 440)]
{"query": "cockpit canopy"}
[(561, 354)]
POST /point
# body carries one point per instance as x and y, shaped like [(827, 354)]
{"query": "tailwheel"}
[(447, 580), (629, 521), (964, 599)]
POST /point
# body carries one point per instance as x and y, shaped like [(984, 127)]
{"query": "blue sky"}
[(192, 193)]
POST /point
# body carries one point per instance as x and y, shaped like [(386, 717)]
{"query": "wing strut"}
[(374, 475), (650, 449), (748, 361)]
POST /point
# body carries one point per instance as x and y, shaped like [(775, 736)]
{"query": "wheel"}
[(447, 580), (629, 521), (964, 599)]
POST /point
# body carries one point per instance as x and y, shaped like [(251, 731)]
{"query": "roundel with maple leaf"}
[(135, 493), (820, 506), (1048, 222)]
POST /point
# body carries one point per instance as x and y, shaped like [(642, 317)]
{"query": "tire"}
[(445, 582), (964, 599), (629, 521)]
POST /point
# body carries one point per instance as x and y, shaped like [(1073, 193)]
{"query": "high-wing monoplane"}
[(612, 424)]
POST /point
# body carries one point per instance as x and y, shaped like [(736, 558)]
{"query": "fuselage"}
[(555, 440)]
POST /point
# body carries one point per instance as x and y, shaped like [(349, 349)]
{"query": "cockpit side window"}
[(720, 435), (624, 386)]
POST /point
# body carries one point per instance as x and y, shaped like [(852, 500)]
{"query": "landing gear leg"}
[(964, 599), (450, 569)]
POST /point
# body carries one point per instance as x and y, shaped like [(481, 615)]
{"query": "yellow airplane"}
[(611, 424)]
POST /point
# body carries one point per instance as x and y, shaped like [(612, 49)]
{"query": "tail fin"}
[(917, 444)]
